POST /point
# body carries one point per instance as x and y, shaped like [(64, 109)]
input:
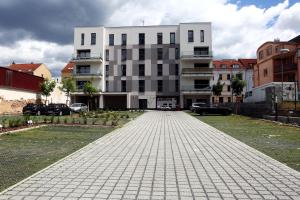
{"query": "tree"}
[(89, 90), (217, 88), (237, 85), (47, 88), (68, 86)]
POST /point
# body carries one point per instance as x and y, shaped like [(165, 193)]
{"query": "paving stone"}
[(163, 155)]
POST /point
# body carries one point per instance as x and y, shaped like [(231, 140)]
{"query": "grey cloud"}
[(48, 20)]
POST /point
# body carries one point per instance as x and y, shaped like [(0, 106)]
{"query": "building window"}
[(141, 70), (176, 53), (107, 86), (201, 51), (190, 36), (260, 54), (111, 40), (201, 65), (83, 69), (80, 84), (106, 55), (228, 88), (228, 77), (159, 85), (229, 99), (141, 54), (124, 54), (201, 84), (201, 35), (159, 38), (141, 85), (224, 66), (269, 51), (123, 69), (159, 70), (93, 38), (123, 86), (235, 66), (124, 39), (265, 72), (106, 70), (220, 76), (159, 53), (141, 38), (172, 38), (176, 69), (176, 85), (82, 38), (221, 100)]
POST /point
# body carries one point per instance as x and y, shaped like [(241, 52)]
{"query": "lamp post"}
[(282, 51)]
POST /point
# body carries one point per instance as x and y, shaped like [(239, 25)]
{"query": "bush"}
[(85, 120), (66, 120), (45, 120), (73, 121), (58, 120), (52, 119)]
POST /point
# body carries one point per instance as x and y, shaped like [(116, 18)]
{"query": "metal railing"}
[(196, 54), (197, 88), (204, 70), (86, 56), (86, 74)]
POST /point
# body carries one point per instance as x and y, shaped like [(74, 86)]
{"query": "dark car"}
[(210, 109), (34, 109), (58, 109), (196, 105)]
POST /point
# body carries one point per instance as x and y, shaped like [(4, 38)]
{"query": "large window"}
[(177, 85), (83, 69), (83, 53), (228, 77), (82, 39), (201, 51), (141, 85), (124, 39), (141, 54), (141, 38), (172, 38), (123, 70), (201, 84), (228, 88), (107, 86), (93, 38), (201, 65), (202, 36), (159, 53), (159, 85), (107, 55), (124, 54), (159, 70), (190, 36), (176, 69), (123, 86), (159, 38), (176, 53), (106, 70), (141, 70), (111, 40)]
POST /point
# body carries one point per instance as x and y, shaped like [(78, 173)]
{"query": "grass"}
[(277, 141), (23, 154)]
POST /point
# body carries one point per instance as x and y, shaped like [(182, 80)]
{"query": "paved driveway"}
[(163, 155)]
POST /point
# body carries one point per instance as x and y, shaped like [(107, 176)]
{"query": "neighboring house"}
[(15, 85), (37, 69), (144, 66), (225, 70), (277, 62), (67, 71)]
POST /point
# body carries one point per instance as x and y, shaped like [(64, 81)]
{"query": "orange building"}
[(278, 61), (67, 71)]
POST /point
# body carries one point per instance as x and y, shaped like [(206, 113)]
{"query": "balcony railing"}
[(75, 74), (196, 88), (286, 68), (196, 54), (198, 70), (86, 56)]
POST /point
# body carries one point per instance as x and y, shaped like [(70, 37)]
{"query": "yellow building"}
[(37, 69)]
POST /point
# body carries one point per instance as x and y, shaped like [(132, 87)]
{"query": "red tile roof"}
[(25, 67), (68, 68), (219, 63), (248, 63)]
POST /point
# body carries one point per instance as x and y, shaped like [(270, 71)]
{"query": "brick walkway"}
[(163, 155)]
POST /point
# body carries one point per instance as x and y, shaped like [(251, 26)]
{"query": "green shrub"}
[(85, 120), (73, 121), (58, 120), (52, 119), (65, 120)]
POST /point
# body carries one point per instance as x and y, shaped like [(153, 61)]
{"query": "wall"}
[(13, 94), (43, 71)]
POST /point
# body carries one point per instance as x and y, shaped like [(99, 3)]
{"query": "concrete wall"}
[(11, 94)]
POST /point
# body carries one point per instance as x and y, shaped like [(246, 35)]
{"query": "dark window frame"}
[(159, 69), (106, 70), (123, 70), (190, 36), (123, 86), (141, 69), (124, 39), (202, 36), (141, 38), (93, 38), (160, 85), (172, 38), (123, 54), (176, 69), (82, 39), (111, 41), (106, 54), (159, 38), (159, 53), (141, 85), (141, 54)]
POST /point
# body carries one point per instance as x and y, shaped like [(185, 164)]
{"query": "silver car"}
[(79, 107)]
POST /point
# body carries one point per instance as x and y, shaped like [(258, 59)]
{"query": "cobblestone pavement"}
[(163, 155)]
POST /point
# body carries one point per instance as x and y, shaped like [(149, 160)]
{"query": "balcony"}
[(197, 72), (198, 89), (196, 55), (86, 75), (86, 57), (286, 68)]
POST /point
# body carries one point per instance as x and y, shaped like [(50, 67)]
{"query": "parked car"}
[(210, 109), (79, 107), (165, 107), (196, 105), (34, 109), (58, 109)]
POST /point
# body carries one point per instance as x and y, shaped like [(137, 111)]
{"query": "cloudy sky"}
[(42, 30)]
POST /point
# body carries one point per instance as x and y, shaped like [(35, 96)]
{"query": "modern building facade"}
[(278, 61), (144, 66), (225, 70)]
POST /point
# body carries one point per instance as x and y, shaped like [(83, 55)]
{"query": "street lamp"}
[(282, 51)]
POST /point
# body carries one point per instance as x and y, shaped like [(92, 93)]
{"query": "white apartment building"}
[(144, 66)]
